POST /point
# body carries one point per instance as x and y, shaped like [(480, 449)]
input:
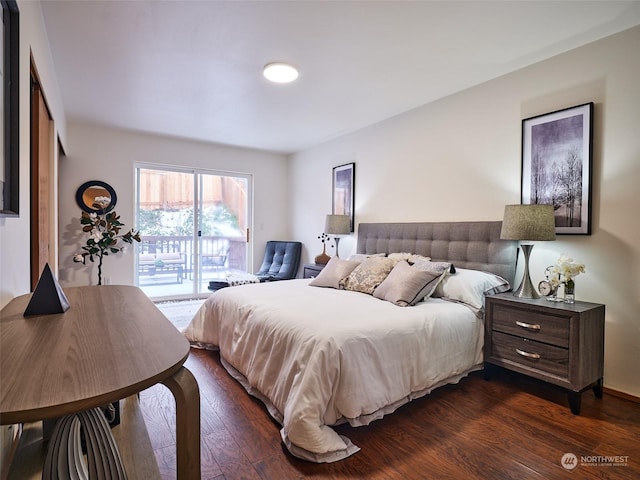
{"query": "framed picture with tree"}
[(557, 158)]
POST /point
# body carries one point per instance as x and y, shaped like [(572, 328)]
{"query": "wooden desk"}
[(112, 343)]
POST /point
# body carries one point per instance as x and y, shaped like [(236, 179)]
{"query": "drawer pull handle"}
[(527, 354), (530, 326)]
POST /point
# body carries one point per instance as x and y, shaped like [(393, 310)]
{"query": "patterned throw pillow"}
[(409, 257), (361, 257), (425, 263), (334, 272), (368, 275), (407, 285)]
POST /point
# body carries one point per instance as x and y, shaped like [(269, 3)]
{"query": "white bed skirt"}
[(320, 357)]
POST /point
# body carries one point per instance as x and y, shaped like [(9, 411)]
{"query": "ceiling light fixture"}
[(280, 72)]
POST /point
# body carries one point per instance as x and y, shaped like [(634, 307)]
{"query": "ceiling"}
[(192, 69)]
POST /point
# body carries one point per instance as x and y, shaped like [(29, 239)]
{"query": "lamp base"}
[(526, 288), (337, 239)]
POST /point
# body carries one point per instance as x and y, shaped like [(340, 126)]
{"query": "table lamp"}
[(337, 225), (528, 223)]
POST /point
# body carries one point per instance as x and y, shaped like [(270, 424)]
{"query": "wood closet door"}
[(41, 184)]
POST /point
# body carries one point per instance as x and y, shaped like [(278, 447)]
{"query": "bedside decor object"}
[(48, 297), (323, 258), (103, 228), (549, 287), (565, 270), (546, 290), (569, 291), (344, 180), (527, 223), (337, 225), (557, 154)]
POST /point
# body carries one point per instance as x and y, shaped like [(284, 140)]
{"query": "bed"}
[(323, 352)]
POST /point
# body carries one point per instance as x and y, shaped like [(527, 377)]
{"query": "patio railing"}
[(230, 253)]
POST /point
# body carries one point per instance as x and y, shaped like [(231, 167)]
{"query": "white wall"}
[(14, 231), (459, 159), (97, 153)]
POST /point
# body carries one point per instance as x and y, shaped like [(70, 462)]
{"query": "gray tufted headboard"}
[(474, 245)]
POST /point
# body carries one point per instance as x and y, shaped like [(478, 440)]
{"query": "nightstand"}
[(559, 343), (311, 270)]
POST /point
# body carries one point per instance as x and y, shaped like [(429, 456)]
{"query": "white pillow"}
[(470, 286), (361, 257), (334, 271)]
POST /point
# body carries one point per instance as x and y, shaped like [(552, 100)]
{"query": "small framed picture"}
[(344, 178), (9, 110), (557, 158)]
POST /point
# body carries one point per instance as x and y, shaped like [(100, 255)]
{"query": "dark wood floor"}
[(509, 427)]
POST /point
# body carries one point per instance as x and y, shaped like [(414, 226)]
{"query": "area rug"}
[(180, 312)]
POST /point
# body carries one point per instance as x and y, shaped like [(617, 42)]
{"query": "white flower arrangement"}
[(565, 270)]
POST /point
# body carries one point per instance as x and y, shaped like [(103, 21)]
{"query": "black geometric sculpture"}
[(48, 297)]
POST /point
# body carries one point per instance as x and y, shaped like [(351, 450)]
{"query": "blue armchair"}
[(281, 261)]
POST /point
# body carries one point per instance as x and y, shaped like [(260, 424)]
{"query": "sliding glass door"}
[(193, 226)]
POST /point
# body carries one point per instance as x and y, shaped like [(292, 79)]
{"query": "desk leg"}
[(185, 390)]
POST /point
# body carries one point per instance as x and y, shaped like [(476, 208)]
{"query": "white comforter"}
[(320, 357)]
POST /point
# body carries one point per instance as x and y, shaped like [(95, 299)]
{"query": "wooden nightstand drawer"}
[(556, 342), (532, 354), (533, 325)]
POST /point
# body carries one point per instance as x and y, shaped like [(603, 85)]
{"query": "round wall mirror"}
[(95, 189)]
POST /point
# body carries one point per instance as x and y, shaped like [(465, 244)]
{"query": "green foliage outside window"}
[(216, 220)]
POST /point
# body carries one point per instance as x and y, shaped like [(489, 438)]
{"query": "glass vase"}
[(569, 291), (553, 297)]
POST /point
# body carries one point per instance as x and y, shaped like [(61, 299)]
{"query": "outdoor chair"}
[(218, 257)]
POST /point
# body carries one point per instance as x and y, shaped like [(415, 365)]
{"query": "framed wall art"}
[(344, 180), (9, 118), (557, 157)]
